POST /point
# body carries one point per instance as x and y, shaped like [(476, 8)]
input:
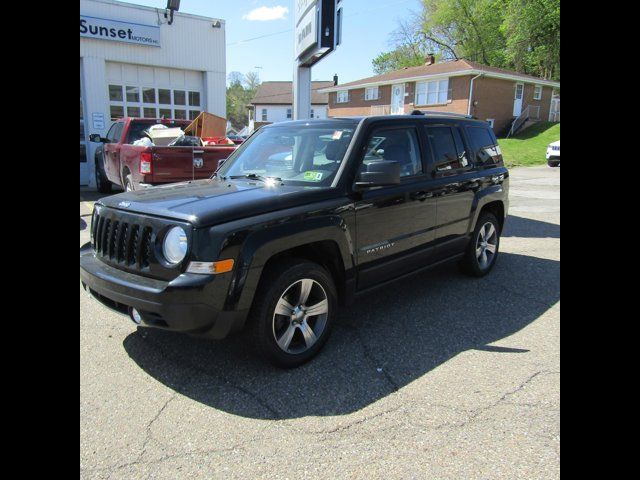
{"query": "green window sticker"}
[(313, 176)]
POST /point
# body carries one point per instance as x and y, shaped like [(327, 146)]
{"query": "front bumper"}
[(190, 303)]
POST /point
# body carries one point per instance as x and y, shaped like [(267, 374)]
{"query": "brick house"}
[(273, 102), (497, 95)]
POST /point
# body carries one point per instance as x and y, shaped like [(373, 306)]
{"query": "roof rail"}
[(448, 114)]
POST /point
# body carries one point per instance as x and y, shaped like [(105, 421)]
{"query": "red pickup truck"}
[(133, 167)]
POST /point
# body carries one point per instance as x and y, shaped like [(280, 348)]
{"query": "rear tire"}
[(482, 251), (102, 183), (128, 183), (293, 312), (553, 163)]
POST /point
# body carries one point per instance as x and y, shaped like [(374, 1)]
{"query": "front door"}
[(395, 224), (397, 99), (517, 100)]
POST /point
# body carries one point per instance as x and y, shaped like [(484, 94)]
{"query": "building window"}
[(116, 111), (164, 96), (288, 113), (115, 93), (537, 92), (194, 99), (264, 114), (145, 102), (179, 97), (133, 94), (371, 93), (149, 95), (432, 93), (342, 96)]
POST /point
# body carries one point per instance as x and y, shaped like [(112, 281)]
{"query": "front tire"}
[(293, 312), (102, 183), (553, 163), (482, 251)]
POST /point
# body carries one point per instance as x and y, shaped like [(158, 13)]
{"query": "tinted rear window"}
[(480, 140)]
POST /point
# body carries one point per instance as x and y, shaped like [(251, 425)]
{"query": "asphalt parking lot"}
[(437, 376)]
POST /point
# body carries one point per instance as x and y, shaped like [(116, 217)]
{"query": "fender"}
[(493, 193), (260, 246)]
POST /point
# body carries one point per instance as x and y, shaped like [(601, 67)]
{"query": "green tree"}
[(522, 35), (240, 91), (532, 30)]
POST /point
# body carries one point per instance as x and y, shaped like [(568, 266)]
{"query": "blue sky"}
[(366, 28)]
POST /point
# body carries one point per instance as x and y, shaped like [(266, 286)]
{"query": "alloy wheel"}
[(300, 316), (486, 245)]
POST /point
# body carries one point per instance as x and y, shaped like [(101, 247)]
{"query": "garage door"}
[(153, 92)]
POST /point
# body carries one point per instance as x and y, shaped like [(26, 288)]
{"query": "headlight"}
[(174, 246)]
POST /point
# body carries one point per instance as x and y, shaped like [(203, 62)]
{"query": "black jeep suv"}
[(302, 217)]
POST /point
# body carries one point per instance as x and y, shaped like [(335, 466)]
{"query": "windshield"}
[(301, 154)]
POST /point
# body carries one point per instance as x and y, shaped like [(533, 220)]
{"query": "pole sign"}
[(306, 25), (115, 30), (317, 26)]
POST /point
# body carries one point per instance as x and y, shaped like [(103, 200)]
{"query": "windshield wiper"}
[(254, 176)]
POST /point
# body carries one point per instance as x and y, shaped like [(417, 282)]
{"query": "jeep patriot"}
[(303, 217)]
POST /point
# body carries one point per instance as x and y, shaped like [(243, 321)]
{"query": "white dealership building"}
[(136, 61)]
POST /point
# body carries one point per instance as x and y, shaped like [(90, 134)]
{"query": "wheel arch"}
[(323, 240)]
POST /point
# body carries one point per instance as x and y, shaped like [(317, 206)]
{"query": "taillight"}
[(145, 163)]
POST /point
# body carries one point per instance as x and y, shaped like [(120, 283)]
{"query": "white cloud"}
[(263, 14)]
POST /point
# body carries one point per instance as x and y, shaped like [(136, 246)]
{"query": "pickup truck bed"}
[(133, 167)]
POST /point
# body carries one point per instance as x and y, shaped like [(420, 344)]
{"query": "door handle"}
[(421, 196)]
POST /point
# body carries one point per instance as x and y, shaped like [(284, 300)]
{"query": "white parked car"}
[(553, 154)]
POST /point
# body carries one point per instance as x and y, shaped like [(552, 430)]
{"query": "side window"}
[(448, 148), (117, 132), (397, 144), (483, 145), (111, 134)]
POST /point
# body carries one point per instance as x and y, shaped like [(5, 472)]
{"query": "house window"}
[(288, 113), (371, 93), (342, 96), (264, 114), (537, 92), (432, 93)]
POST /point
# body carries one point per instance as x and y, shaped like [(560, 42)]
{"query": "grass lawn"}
[(530, 146)]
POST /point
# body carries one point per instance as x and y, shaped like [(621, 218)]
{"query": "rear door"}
[(395, 225), (457, 183)]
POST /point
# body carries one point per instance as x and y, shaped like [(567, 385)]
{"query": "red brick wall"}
[(494, 99)]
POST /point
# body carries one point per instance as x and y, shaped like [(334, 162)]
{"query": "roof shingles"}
[(441, 68), (281, 93)]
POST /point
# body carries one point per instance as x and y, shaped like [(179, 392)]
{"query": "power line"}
[(364, 12)]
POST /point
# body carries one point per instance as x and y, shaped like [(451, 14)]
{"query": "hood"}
[(212, 201), (555, 144)]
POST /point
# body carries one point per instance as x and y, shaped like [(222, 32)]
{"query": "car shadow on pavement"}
[(382, 343), (528, 228)]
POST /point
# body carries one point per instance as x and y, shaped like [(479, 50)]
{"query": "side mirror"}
[(95, 137), (379, 173)]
